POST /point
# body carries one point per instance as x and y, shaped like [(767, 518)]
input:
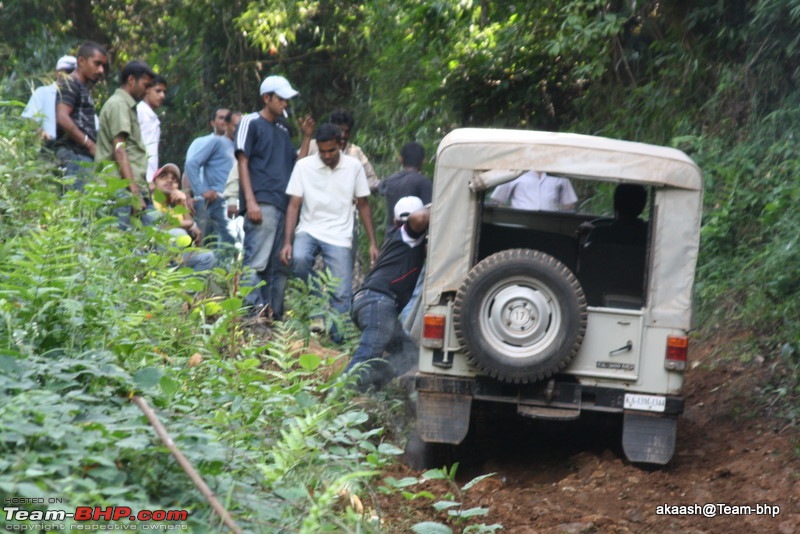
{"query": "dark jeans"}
[(79, 166), (375, 314), (213, 219)]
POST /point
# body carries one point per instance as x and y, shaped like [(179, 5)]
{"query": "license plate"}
[(645, 403)]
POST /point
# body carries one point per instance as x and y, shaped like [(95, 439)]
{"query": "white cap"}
[(278, 85), (66, 63), (405, 207)]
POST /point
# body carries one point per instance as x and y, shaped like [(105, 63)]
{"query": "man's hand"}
[(210, 196), (286, 254), (139, 203), (232, 209), (254, 212), (373, 254), (196, 233), (176, 197), (308, 125)]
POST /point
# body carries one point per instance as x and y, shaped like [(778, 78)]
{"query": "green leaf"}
[(402, 483), (309, 362), (169, 385), (231, 304), (472, 512), (148, 377), (429, 527), (388, 448), (475, 480), (444, 505)]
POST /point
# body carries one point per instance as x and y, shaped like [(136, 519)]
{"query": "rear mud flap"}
[(443, 417), (649, 439)]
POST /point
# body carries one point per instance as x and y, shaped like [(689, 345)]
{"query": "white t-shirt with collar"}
[(536, 191), (328, 197)]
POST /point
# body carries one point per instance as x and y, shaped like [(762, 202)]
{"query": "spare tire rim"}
[(520, 316)]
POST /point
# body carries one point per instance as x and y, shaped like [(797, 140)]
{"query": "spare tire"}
[(520, 315)]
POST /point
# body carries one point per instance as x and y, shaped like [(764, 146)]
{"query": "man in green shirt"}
[(120, 139)]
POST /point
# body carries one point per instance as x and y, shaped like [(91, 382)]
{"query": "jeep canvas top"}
[(537, 309)]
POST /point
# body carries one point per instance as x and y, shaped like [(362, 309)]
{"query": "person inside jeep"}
[(626, 228), (536, 191)]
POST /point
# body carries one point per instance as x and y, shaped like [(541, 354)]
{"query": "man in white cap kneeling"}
[(385, 291)]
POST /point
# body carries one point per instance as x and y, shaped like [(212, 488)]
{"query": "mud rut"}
[(571, 477)]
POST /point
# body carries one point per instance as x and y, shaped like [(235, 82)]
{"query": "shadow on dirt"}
[(503, 442)]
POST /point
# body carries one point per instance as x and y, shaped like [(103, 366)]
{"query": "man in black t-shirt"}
[(407, 183), (76, 130), (265, 158), (386, 291)]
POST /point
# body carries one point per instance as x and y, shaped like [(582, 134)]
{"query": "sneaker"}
[(317, 325)]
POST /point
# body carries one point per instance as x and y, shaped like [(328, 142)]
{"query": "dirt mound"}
[(572, 477)]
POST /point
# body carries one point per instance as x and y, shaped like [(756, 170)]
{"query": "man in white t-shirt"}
[(150, 124), (42, 104), (536, 191), (319, 218)]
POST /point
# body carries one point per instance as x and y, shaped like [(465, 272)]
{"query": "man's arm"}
[(307, 126), (372, 178), (253, 210), (124, 166), (292, 212), (200, 159), (418, 221), (64, 120), (568, 198), (362, 203), (231, 192)]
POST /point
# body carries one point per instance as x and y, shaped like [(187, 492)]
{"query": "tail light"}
[(677, 348), (433, 331)]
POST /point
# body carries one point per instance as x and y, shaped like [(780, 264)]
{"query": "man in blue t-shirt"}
[(207, 167), (265, 157)]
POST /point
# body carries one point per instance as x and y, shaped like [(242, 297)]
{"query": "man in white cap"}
[(42, 104), (384, 293), (265, 157)]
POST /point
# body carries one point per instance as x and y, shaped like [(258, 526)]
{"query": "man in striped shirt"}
[(265, 157)]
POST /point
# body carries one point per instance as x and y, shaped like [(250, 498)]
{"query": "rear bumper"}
[(557, 393)]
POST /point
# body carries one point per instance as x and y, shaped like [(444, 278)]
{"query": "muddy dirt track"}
[(572, 477)]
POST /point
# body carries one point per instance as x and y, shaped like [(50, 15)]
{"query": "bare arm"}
[(418, 221), (246, 185), (307, 126), (292, 212), (124, 165), (362, 203), (66, 123)]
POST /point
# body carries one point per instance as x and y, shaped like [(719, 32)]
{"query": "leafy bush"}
[(91, 315)]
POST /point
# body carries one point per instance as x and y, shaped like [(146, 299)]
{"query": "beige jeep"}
[(525, 307)]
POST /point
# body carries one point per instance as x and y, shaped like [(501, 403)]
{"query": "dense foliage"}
[(91, 316)]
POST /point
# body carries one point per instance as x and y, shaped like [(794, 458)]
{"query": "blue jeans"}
[(199, 260), (262, 246), (124, 213), (78, 165), (213, 219), (337, 259), (375, 314)]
